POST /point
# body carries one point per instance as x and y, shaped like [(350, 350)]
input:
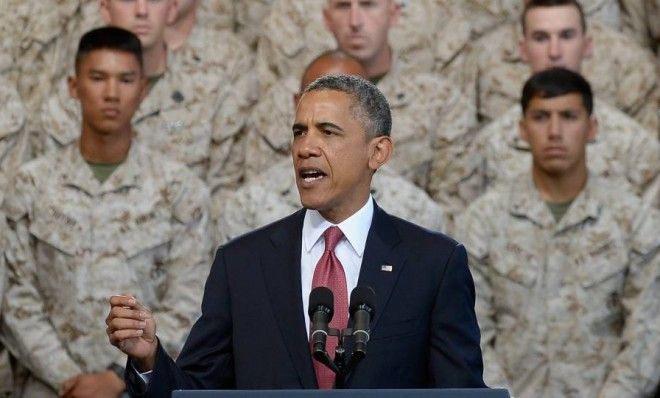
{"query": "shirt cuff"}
[(146, 376)]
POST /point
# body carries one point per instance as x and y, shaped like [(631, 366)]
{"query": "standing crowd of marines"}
[(528, 130)]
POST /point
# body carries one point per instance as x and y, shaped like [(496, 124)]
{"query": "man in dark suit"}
[(253, 332)]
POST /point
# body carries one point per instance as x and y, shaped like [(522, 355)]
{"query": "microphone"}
[(362, 310), (320, 310)]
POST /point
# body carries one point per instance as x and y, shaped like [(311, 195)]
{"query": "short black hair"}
[(369, 105), (555, 82), (553, 3), (109, 38)]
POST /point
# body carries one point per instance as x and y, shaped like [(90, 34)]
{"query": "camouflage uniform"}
[(249, 15), (620, 73), (273, 195), (194, 114), (6, 378), (569, 308), (622, 150), (293, 34), (13, 137), (641, 20), (216, 15), (429, 117), (143, 231)]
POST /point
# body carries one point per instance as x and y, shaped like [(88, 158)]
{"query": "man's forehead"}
[(323, 103), (110, 60), (552, 18), (572, 101)]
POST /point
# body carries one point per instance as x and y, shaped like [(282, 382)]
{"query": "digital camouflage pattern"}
[(620, 72), (274, 195), (568, 308), (641, 20), (144, 231)]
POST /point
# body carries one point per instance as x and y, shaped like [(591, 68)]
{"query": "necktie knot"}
[(332, 237)]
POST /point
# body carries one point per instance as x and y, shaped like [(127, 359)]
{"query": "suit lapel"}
[(383, 260), (281, 268)]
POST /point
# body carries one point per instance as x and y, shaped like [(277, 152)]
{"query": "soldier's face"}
[(554, 37), (558, 130), (109, 86), (333, 157), (360, 27), (145, 18)]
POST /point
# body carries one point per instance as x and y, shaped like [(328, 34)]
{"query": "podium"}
[(426, 393)]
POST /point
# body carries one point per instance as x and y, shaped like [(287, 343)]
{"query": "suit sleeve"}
[(206, 361), (455, 358)]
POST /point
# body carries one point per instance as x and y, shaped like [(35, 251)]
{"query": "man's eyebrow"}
[(330, 125), (299, 126)]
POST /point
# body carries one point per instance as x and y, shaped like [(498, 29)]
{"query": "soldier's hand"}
[(93, 385), (132, 329)]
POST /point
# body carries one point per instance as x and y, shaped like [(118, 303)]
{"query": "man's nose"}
[(306, 145), (111, 92), (554, 128), (142, 8), (554, 51), (355, 16)]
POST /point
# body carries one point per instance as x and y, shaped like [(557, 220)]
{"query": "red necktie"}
[(330, 273)]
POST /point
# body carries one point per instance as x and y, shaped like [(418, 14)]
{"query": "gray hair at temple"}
[(369, 105)]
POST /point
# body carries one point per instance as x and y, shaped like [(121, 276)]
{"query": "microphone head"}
[(321, 297), (364, 298)]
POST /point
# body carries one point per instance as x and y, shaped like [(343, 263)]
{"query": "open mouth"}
[(311, 174)]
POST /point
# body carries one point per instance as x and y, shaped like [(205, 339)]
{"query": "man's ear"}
[(172, 12), (105, 12), (72, 83), (588, 49), (522, 49), (522, 129), (380, 151), (395, 12), (593, 128)]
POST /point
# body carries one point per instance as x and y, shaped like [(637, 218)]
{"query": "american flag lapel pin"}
[(386, 268)]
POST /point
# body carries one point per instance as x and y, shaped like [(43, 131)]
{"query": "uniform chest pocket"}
[(605, 264), (516, 265), (60, 229)]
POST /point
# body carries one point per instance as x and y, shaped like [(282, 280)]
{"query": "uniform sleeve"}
[(187, 265), (636, 370), (474, 235), (643, 166), (27, 330)]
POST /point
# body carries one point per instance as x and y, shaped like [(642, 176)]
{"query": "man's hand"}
[(92, 385), (132, 329)]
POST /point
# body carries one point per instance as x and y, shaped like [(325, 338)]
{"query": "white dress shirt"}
[(349, 250)]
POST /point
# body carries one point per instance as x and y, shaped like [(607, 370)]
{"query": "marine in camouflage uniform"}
[(273, 194), (622, 150), (567, 308), (144, 230), (294, 33), (621, 73), (195, 113)]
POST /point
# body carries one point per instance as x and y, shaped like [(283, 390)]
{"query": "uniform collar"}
[(76, 172), (526, 202)]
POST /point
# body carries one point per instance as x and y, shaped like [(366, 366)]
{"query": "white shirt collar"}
[(355, 228)]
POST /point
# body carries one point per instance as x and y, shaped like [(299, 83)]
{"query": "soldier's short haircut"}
[(555, 82), (369, 105), (553, 3), (109, 38)]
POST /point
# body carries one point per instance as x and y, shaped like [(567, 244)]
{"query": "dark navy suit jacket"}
[(252, 332)]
